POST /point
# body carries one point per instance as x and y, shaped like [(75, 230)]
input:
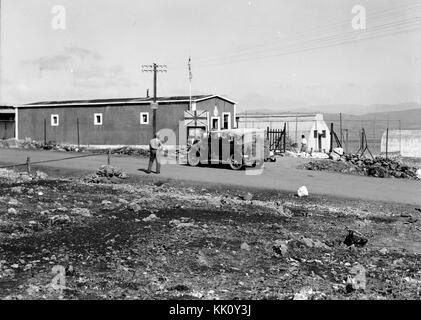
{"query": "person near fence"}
[(155, 145), (303, 144)]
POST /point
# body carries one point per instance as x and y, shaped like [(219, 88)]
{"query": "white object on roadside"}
[(302, 191), (419, 173)]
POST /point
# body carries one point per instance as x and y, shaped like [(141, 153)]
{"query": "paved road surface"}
[(281, 175)]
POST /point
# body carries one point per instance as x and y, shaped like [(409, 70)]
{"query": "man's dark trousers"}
[(152, 158)]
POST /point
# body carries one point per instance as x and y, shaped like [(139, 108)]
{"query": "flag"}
[(190, 74)]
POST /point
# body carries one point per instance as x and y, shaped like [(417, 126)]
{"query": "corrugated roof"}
[(116, 100), (173, 99)]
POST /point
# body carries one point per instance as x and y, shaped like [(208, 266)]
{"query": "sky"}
[(268, 54)]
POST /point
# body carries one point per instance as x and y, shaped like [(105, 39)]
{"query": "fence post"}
[(340, 126), (109, 156), (285, 137), (28, 164), (387, 140), (331, 137), (347, 144), (45, 131), (78, 139)]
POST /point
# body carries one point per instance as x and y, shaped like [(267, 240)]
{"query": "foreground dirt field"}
[(165, 239)]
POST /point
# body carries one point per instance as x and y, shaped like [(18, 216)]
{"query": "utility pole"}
[(155, 68)]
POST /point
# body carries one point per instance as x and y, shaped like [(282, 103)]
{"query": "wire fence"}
[(29, 163), (349, 133)]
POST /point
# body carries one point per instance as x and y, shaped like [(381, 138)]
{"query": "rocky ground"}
[(379, 167), (163, 239)]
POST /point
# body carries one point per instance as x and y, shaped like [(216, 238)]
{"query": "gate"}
[(277, 139)]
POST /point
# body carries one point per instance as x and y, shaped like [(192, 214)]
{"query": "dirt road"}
[(281, 175)]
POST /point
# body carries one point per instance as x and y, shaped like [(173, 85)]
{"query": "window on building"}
[(324, 133), (215, 123), (315, 133), (144, 118), (98, 119), (226, 120), (54, 120)]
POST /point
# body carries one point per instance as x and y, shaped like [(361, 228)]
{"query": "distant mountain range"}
[(341, 108)]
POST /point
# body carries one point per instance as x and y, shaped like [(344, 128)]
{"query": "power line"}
[(320, 42), (298, 36), (323, 42)]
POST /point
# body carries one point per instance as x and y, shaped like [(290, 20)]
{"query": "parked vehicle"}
[(236, 147)]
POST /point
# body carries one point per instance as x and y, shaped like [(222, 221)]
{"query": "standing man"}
[(303, 144), (154, 146)]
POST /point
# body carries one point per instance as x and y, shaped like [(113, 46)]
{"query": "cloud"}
[(63, 60), (79, 68)]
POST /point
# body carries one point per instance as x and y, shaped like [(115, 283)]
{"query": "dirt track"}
[(281, 175), (204, 243)]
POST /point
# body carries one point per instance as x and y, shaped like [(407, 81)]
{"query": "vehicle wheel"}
[(258, 164), (193, 158), (234, 164)]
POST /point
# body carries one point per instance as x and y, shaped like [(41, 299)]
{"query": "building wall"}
[(406, 142), (121, 124), (222, 106), (296, 127)]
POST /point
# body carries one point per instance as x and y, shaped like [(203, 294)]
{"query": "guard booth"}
[(7, 122)]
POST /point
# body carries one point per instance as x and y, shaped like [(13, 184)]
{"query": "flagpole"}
[(190, 94), (190, 78)]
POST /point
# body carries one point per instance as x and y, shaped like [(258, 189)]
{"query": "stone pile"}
[(132, 151), (355, 164), (382, 167), (106, 174)]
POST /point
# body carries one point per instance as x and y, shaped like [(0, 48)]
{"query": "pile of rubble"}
[(356, 164), (30, 144), (106, 174), (313, 155), (17, 177), (132, 151)]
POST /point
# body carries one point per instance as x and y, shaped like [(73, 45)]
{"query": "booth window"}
[(215, 123), (227, 120)]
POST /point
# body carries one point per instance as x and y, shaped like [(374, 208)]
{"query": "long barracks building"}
[(122, 122)]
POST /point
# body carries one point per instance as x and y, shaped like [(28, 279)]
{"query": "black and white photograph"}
[(210, 154)]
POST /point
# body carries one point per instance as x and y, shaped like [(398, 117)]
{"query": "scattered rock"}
[(150, 218), (106, 202), (13, 202), (17, 189), (383, 251), (246, 197), (84, 212), (60, 219), (134, 207), (41, 175), (202, 260), (304, 294), (356, 280), (12, 211), (355, 238), (302, 192), (179, 224), (280, 247), (245, 246)]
